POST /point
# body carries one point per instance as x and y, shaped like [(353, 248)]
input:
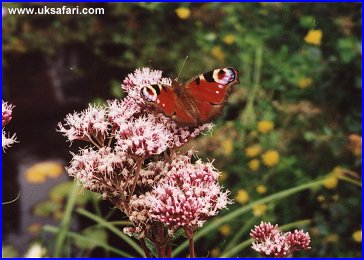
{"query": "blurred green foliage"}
[(300, 68)]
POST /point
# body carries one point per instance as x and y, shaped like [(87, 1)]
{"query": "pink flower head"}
[(139, 215), (7, 110), (119, 112), (104, 171), (270, 241), (134, 82), (299, 240), (87, 125), (263, 231), (181, 135), (188, 195), (7, 140), (143, 137)]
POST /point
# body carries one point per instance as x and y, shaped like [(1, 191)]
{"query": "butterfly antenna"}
[(179, 73)]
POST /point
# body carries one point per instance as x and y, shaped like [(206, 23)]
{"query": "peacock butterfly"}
[(195, 102)]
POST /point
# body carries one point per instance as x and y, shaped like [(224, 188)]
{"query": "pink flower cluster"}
[(270, 241), (105, 171), (7, 110), (188, 195), (170, 189)]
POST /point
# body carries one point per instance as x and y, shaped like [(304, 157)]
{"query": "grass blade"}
[(64, 226)]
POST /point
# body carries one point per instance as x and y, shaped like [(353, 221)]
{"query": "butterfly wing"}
[(161, 97), (210, 90), (213, 86), (198, 101)]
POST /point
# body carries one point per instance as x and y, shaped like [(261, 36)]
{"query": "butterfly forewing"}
[(161, 97), (213, 86)]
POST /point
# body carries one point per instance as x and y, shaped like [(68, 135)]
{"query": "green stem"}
[(257, 70), (248, 115), (112, 228), (213, 226), (64, 226), (241, 232), (350, 180), (299, 223)]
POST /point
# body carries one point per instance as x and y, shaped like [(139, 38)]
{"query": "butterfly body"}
[(198, 101)]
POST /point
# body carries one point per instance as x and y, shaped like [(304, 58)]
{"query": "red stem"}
[(160, 250), (192, 247), (189, 234), (169, 250)]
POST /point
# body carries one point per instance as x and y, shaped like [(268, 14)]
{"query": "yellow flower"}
[(261, 189), (229, 39), (265, 126), (223, 176), (304, 82), (331, 182), (337, 171), (215, 252), (225, 230), (357, 236), (270, 158), (314, 37), (183, 12), (227, 146), (217, 52), (259, 209), (242, 196), (39, 172), (254, 165), (253, 150)]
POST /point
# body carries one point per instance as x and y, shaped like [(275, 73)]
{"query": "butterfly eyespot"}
[(149, 93), (223, 76)]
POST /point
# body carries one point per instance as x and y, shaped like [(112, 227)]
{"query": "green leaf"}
[(116, 90), (79, 237), (46, 208), (96, 234), (8, 251), (59, 193)]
